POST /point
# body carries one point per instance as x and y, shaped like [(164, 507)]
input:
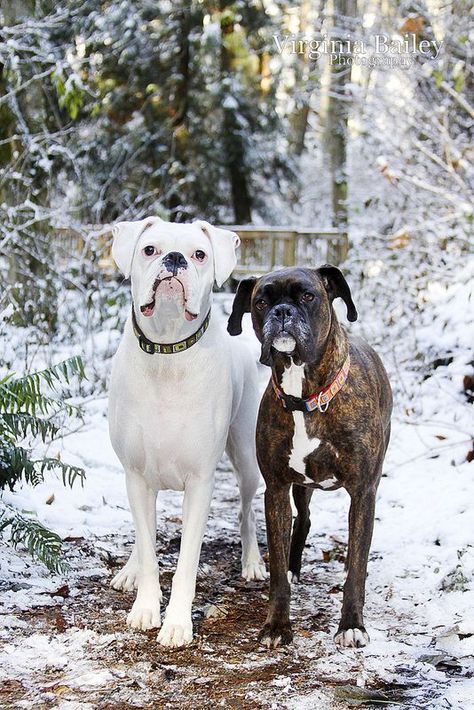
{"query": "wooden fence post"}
[(338, 248)]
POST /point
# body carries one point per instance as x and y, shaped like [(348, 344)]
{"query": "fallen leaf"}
[(60, 592), (354, 695), (213, 611), (10, 684), (60, 622), (400, 240), (412, 25), (432, 658), (449, 665), (61, 689)]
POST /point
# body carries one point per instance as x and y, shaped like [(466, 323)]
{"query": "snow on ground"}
[(64, 640)]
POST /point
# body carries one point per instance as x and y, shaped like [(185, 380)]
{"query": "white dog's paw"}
[(352, 638), (144, 617), (254, 570), (175, 635), (126, 578)]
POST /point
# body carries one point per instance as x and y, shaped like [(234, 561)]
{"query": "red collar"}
[(319, 400)]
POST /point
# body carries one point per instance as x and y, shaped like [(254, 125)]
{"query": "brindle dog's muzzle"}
[(283, 322)]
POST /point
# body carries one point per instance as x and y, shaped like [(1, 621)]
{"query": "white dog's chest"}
[(165, 423)]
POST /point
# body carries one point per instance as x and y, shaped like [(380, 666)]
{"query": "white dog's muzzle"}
[(171, 283)]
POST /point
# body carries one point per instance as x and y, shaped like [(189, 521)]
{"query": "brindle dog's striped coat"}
[(292, 308)]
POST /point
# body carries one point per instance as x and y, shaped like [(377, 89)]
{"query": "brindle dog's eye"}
[(307, 297), (149, 250), (260, 304)]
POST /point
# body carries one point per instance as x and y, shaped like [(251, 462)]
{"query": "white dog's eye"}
[(199, 255), (149, 250)]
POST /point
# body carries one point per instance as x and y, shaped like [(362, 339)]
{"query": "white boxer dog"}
[(181, 393)]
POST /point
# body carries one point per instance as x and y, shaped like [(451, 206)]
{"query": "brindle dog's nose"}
[(174, 261), (283, 311)]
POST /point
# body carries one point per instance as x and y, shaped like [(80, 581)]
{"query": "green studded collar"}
[(168, 348)]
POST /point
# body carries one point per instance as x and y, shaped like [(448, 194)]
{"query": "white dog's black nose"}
[(174, 261)]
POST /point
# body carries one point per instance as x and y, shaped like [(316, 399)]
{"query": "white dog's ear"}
[(125, 236), (224, 244)]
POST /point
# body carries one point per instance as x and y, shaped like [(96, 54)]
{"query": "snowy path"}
[(64, 640)]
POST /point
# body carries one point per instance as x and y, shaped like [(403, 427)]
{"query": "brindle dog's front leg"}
[(351, 631), (277, 628)]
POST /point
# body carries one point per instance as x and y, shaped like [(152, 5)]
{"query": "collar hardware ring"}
[(314, 402), (320, 406)]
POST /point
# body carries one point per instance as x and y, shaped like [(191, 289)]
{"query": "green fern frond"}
[(41, 543), (19, 425), (26, 412), (24, 393), (17, 396), (16, 465), (55, 374), (68, 472)]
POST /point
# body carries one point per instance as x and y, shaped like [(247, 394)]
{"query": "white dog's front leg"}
[(127, 578), (145, 612), (177, 629)]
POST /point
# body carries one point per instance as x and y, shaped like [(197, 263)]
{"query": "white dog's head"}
[(173, 263)]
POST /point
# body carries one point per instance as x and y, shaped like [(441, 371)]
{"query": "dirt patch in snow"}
[(76, 653)]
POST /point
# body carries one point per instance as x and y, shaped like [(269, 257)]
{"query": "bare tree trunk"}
[(335, 114), (180, 111), (304, 83), (233, 142)]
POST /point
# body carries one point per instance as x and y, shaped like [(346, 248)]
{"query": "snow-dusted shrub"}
[(27, 415)]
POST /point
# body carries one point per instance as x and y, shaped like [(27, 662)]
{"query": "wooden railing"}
[(262, 248), (265, 248)]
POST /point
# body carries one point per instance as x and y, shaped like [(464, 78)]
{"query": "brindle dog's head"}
[(291, 310)]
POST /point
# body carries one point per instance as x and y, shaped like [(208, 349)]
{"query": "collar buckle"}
[(319, 400)]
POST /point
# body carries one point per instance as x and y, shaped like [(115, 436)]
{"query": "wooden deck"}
[(262, 248), (265, 248)]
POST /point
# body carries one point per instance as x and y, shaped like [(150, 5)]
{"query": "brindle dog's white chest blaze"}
[(302, 445)]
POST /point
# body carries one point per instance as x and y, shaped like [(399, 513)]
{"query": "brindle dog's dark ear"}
[(241, 305), (337, 286)]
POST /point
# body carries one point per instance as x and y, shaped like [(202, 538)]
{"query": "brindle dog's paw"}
[(276, 634), (352, 638)]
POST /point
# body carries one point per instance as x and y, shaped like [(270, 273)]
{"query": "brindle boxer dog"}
[(323, 423)]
